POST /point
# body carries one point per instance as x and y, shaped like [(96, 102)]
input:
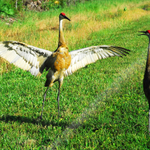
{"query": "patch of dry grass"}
[(5, 66), (93, 25)]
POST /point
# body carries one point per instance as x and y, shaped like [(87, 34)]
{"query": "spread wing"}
[(24, 56), (82, 57)]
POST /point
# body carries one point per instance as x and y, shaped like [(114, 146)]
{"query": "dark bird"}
[(59, 63), (146, 80)]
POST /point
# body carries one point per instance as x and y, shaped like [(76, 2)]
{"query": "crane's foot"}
[(58, 117), (39, 118), (149, 123)]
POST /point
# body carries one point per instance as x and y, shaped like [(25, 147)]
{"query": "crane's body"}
[(59, 63), (146, 80)]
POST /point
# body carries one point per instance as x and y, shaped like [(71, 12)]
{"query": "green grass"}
[(102, 105)]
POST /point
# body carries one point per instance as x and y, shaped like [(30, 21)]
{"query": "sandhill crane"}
[(146, 80), (60, 63)]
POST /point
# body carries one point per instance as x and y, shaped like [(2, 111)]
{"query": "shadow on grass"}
[(21, 119)]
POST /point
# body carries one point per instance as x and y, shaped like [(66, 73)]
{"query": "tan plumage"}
[(60, 63)]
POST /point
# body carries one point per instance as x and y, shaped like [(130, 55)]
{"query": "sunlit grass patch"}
[(5, 66)]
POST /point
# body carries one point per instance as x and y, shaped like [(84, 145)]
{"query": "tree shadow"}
[(22, 119)]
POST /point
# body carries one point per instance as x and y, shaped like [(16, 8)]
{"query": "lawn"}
[(103, 105)]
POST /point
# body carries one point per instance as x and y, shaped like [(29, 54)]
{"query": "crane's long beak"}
[(144, 33), (67, 18)]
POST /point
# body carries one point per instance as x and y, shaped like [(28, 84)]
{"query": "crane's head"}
[(63, 16), (145, 33)]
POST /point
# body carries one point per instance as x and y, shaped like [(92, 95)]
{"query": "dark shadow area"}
[(22, 119)]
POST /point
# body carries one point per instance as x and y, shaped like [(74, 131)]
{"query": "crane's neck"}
[(148, 58), (61, 35)]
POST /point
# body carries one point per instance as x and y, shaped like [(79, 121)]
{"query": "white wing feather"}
[(82, 57), (24, 56)]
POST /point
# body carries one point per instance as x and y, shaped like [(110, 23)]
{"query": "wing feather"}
[(24, 56), (82, 57)]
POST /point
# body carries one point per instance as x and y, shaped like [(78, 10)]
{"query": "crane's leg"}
[(149, 121), (43, 102), (58, 98), (60, 84)]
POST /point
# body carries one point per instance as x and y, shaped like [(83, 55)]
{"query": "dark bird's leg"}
[(149, 121), (58, 98), (43, 102)]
